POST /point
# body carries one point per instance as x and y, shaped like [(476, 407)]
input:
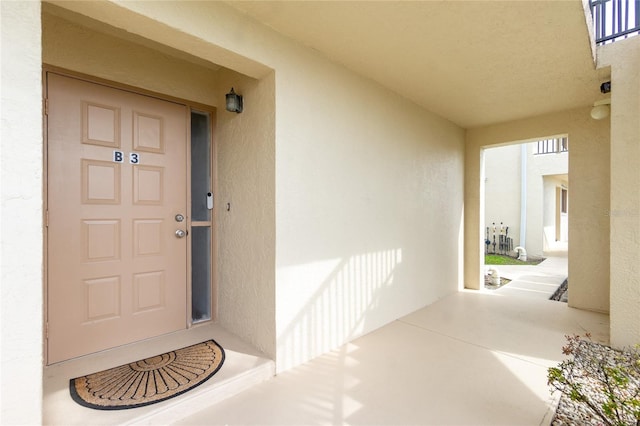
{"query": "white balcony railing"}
[(551, 146)]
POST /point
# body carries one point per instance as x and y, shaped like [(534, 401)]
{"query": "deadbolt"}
[(180, 233), (179, 218)]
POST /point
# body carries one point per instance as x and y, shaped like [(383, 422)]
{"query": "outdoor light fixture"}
[(234, 102), (600, 109)]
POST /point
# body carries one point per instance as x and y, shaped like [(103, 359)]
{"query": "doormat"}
[(150, 380)]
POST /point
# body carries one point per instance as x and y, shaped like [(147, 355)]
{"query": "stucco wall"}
[(368, 187), (21, 215), (502, 185), (624, 59), (76, 47), (246, 211), (369, 208), (589, 169), (551, 183)]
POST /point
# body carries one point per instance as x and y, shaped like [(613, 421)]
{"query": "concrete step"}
[(207, 394), (243, 368)]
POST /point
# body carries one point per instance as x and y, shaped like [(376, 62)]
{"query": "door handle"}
[(180, 233)]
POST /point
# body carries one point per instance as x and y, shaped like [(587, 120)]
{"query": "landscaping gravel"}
[(562, 293), (570, 413)]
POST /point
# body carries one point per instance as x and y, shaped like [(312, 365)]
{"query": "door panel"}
[(117, 272)]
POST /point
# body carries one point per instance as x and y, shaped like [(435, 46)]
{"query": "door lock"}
[(179, 217), (180, 233)]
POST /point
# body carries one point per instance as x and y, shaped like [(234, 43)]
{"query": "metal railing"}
[(615, 19), (551, 146)]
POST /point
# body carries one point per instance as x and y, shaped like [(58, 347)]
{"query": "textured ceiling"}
[(474, 63)]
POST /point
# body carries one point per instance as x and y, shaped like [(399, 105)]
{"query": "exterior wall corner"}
[(21, 213)]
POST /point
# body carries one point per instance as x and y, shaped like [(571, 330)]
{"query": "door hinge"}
[(46, 330), (46, 218), (46, 106)]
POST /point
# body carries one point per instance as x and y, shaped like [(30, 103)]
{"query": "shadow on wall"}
[(338, 311), (329, 300)]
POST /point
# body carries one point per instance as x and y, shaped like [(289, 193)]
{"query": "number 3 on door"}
[(134, 158)]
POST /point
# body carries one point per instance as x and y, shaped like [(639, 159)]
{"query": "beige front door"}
[(116, 179)]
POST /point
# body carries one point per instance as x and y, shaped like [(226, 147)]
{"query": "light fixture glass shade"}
[(234, 102), (599, 112)]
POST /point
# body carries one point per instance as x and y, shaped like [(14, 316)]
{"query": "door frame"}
[(191, 106)]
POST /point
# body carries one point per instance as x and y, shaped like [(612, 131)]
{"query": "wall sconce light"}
[(234, 102), (601, 109)]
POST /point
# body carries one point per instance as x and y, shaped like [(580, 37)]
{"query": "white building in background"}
[(527, 191)]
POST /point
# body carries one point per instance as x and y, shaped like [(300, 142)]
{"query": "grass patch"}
[(498, 259)]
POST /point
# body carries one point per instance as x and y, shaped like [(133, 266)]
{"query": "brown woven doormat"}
[(150, 380)]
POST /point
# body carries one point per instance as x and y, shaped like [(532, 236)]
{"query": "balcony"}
[(551, 146), (615, 19)]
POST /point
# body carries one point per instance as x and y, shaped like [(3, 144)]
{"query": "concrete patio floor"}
[(537, 281), (472, 358)]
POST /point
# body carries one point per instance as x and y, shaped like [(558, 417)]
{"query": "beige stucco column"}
[(624, 59), (21, 215), (589, 183)]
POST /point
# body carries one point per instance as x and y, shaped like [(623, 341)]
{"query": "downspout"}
[(523, 195), (522, 253)]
